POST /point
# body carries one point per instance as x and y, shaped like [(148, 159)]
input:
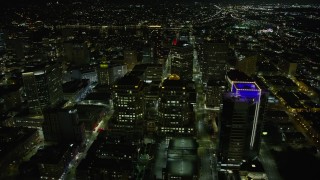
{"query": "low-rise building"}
[(111, 156), (49, 163), (14, 144), (182, 159), (75, 90)]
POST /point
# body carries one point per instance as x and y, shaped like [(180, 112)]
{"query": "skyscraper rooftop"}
[(246, 89)]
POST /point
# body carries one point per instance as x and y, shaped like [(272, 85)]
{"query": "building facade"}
[(213, 60), (128, 103), (43, 87), (62, 125), (214, 91), (241, 124), (247, 62), (174, 110), (180, 62), (108, 73)]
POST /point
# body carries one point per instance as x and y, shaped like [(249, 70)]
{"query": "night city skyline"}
[(159, 89)]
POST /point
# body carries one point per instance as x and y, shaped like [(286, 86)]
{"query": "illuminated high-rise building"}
[(153, 73), (214, 91), (128, 103), (103, 73), (149, 73), (42, 87), (180, 62), (109, 73), (240, 124), (213, 60), (174, 113)]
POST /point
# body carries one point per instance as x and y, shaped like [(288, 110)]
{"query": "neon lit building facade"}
[(240, 124)]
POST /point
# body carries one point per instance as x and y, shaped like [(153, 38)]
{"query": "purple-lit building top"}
[(247, 90)]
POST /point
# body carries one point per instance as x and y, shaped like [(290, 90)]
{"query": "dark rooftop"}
[(11, 137), (8, 89), (50, 154), (215, 82), (236, 75), (128, 80), (110, 164), (174, 83), (75, 85), (104, 96), (252, 166), (272, 113)]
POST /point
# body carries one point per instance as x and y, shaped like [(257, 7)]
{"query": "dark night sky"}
[(23, 3), (13, 2)]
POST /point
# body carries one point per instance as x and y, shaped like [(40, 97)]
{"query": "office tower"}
[(42, 87), (147, 55), (247, 62), (156, 43), (109, 73), (62, 125), (213, 60), (214, 91), (153, 73), (2, 42), (149, 73), (292, 68), (103, 73), (240, 124), (130, 59), (289, 67), (151, 98), (180, 62), (81, 72), (175, 114), (128, 103)]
